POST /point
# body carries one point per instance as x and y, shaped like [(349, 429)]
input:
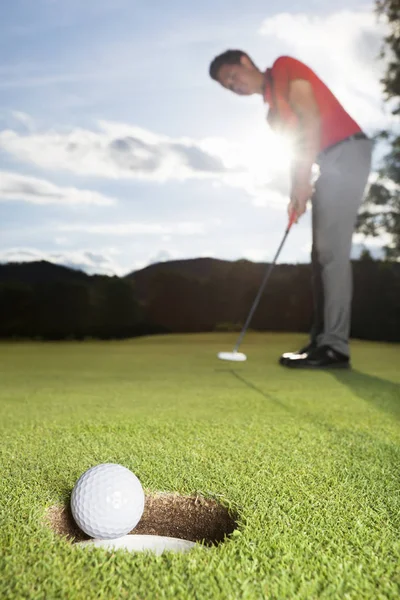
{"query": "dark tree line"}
[(104, 308), (168, 298)]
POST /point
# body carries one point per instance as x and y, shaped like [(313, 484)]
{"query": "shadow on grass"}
[(369, 456), (383, 394), (256, 389)]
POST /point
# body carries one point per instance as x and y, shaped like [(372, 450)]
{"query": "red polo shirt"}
[(336, 123)]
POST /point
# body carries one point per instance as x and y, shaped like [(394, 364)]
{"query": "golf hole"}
[(169, 522)]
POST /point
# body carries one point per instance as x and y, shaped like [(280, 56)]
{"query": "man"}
[(324, 134)]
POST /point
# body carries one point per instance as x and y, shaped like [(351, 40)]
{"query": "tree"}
[(61, 309), (381, 211), (117, 308), (365, 255), (16, 302), (178, 303)]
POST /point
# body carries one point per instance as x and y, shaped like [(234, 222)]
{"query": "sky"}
[(117, 150)]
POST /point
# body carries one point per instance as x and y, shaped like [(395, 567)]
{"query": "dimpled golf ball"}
[(107, 501)]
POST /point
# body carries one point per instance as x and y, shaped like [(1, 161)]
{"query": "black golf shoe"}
[(303, 351), (323, 357)]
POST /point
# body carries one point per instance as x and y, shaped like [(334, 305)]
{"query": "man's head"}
[(235, 71)]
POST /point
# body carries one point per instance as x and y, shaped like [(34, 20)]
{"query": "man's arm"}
[(303, 103)]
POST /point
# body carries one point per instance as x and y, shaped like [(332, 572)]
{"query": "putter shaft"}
[(263, 284)]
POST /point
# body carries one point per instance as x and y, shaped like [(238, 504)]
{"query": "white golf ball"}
[(107, 501)]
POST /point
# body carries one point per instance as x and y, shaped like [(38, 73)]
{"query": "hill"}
[(39, 272)]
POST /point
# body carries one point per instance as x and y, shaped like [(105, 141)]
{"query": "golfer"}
[(323, 133)]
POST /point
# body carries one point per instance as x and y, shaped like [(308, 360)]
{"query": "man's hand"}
[(299, 198)]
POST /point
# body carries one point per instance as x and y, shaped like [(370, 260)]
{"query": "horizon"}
[(166, 262)]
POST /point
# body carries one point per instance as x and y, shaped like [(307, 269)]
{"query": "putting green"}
[(307, 461)]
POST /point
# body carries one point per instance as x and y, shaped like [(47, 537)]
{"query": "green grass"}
[(309, 460)]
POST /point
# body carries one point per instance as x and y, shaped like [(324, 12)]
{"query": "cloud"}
[(257, 164), (343, 49), (16, 187), (84, 260), (162, 256), (256, 255), (136, 228), (114, 152)]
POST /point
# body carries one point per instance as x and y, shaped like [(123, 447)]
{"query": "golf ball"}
[(107, 501)]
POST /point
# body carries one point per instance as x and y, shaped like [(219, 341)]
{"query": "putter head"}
[(232, 356)]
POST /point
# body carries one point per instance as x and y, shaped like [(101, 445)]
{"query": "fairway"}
[(307, 462)]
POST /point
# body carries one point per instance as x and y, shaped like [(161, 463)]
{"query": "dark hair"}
[(230, 57)]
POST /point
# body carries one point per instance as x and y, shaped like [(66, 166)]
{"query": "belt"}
[(356, 136)]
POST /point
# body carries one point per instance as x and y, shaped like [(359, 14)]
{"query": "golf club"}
[(236, 356)]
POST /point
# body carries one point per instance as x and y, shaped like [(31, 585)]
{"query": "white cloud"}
[(138, 265), (343, 49), (136, 228), (257, 164), (85, 260), (61, 241), (256, 255), (273, 198), (116, 151), (16, 187), (207, 253), (162, 256)]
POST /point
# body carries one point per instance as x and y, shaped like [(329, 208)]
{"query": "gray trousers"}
[(339, 192)]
